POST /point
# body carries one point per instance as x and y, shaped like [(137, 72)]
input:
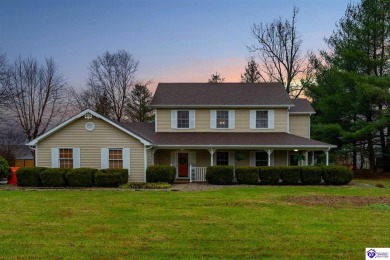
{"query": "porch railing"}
[(197, 173)]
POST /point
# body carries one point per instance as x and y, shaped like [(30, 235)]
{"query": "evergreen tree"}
[(252, 73), (139, 109), (216, 78)]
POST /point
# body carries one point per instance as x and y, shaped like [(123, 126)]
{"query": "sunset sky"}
[(175, 41)]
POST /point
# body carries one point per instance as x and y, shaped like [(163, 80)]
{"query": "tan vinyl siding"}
[(280, 158), (202, 121), (105, 135), (202, 158), (149, 154), (162, 157), (300, 125)]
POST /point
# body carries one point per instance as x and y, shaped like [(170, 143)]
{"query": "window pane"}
[(222, 119), (115, 158), (261, 119), (66, 158), (261, 159), (222, 158), (183, 119)]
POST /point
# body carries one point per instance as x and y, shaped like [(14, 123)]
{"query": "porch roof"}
[(218, 139)]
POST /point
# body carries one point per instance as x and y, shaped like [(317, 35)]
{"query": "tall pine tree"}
[(139, 109), (252, 73)]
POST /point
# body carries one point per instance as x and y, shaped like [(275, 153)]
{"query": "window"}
[(294, 160), (222, 158), (262, 119), (66, 158), (183, 119), (261, 159), (115, 158), (222, 119)]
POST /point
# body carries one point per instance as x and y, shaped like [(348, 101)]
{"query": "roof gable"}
[(82, 114), (221, 95)]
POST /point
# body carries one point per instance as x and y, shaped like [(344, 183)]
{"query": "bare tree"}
[(111, 77), (3, 78), (216, 78), (92, 98), (279, 48), (139, 109), (38, 96)]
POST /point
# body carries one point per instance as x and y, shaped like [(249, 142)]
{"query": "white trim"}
[(252, 119), (213, 119), (270, 119), (290, 147), (104, 163), (308, 134), (145, 162), (79, 115), (288, 122), (126, 159), (174, 119), (55, 157), (36, 156), (302, 113), (191, 119), (155, 121)]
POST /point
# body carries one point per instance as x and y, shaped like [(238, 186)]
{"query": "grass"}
[(243, 222)]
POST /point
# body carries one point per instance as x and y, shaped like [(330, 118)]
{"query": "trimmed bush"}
[(81, 177), (53, 177), (160, 173), (336, 175), (5, 170), (111, 177), (311, 175), (290, 174), (269, 174), (220, 174), (29, 176), (247, 175)]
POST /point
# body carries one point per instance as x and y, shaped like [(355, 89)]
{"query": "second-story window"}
[(222, 119), (183, 119), (261, 119)]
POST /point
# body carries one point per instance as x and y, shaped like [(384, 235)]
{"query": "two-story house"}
[(196, 125)]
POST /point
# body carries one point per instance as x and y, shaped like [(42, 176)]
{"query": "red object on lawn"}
[(12, 180)]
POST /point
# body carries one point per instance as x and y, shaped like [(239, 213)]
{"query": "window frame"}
[(226, 118), (259, 121), (181, 119), (63, 159), (264, 161), (115, 160), (217, 159)]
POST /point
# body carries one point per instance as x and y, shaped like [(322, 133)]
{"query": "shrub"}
[(290, 174), (111, 177), (269, 174), (53, 177), (247, 175), (161, 173), (311, 175), (336, 175), (5, 170), (81, 177), (220, 174), (146, 185), (29, 176)]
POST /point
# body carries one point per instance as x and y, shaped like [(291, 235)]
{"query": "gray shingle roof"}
[(221, 94), (301, 105), (279, 139)]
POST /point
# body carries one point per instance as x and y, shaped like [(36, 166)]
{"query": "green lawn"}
[(241, 222)]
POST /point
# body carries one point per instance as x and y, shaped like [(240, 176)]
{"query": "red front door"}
[(183, 164)]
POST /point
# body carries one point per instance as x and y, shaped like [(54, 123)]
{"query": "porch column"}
[(211, 151), (327, 157), (312, 158), (306, 158), (269, 152)]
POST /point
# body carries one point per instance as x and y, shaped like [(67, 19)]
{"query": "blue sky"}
[(175, 41)]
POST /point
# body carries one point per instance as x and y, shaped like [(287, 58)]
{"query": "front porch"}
[(191, 164)]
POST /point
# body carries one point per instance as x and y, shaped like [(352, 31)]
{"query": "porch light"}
[(88, 116), (295, 150)]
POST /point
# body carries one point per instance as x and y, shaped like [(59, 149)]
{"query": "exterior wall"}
[(202, 121), (162, 157), (280, 158), (104, 135), (300, 125)]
